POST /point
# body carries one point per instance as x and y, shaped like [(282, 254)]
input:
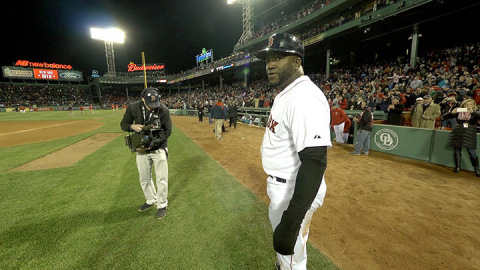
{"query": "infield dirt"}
[(380, 212)]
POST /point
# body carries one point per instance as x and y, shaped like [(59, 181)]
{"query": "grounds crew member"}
[(294, 149), (149, 111)]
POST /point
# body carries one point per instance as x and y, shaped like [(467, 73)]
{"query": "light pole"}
[(110, 36), (247, 15)]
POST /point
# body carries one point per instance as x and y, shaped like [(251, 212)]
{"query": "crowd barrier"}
[(417, 143)]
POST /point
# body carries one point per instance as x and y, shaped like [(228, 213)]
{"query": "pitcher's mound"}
[(69, 155)]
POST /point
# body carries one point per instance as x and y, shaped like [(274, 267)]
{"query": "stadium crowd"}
[(14, 95), (445, 74)]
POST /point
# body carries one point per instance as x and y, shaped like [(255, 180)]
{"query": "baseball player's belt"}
[(278, 179)]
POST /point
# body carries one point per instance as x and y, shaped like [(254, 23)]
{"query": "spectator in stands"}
[(338, 121), (410, 98), (394, 112), (430, 113), (464, 134), (365, 126), (416, 83), (417, 112), (446, 107), (475, 94)]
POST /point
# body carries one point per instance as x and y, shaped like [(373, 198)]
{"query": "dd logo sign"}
[(386, 139)]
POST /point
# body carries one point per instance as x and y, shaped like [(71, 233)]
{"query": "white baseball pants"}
[(158, 159), (280, 195), (338, 129)]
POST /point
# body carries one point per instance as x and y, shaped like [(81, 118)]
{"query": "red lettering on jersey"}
[(271, 124)]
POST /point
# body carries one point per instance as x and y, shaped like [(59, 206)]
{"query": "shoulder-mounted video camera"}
[(151, 136)]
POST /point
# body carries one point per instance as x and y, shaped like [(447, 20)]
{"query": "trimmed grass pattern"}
[(85, 216)]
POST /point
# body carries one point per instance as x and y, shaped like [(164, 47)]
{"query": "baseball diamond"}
[(277, 134), (384, 212)]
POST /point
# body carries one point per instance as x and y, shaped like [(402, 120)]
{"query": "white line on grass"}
[(26, 130)]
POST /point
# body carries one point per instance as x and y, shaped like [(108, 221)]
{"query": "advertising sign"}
[(45, 74), (26, 63), (70, 75), (17, 73), (149, 67), (204, 56), (12, 72)]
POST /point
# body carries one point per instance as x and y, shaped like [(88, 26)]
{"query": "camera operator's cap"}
[(283, 43), (427, 97), (151, 97)]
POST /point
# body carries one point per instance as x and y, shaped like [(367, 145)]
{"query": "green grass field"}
[(85, 216)]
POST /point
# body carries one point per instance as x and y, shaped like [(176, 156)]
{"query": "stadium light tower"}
[(247, 15), (110, 36)]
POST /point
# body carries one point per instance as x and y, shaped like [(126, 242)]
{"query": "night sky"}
[(170, 32)]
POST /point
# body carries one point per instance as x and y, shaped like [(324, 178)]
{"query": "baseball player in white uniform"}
[(294, 149)]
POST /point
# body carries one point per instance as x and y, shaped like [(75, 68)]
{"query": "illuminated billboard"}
[(45, 74), (12, 72), (26, 63), (149, 67), (204, 56)]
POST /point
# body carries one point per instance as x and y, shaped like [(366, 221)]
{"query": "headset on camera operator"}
[(149, 125)]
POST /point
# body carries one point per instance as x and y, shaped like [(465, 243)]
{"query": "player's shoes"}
[(355, 153), (365, 153), (144, 207), (161, 213)]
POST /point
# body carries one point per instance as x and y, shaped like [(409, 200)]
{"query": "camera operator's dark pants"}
[(158, 159)]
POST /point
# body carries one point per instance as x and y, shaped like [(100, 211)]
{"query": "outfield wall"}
[(416, 143)]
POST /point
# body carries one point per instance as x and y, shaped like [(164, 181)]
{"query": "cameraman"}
[(150, 120)]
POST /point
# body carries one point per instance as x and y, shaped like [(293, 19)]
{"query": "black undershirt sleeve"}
[(309, 179)]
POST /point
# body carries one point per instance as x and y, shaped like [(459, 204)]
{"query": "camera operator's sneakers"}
[(144, 207), (161, 213)]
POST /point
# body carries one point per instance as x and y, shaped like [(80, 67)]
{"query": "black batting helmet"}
[(285, 43)]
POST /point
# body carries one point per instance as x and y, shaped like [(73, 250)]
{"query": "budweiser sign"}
[(134, 67)]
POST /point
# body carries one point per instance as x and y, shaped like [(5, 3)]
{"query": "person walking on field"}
[(294, 150), (219, 114)]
